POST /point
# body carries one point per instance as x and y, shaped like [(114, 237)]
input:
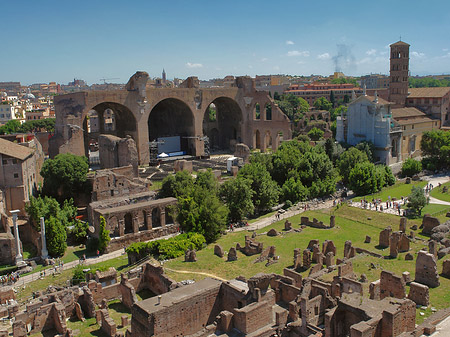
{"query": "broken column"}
[(19, 258), (44, 251), (306, 259)]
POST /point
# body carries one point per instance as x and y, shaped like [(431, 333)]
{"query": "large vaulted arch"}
[(107, 118), (222, 123), (173, 120)]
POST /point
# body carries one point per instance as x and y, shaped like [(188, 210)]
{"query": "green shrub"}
[(411, 167), (78, 275), (167, 249)]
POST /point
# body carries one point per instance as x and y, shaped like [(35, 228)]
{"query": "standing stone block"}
[(374, 290), (328, 246), (317, 256), (403, 244), (312, 243), (433, 248), (329, 259), (218, 250), (385, 235), (428, 223), (332, 221), (409, 257), (419, 293), (297, 258), (287, 225), (407, 277), (190, 255), (402, 227), (368, 239), (393, 244), (306, 258), (232, 254), (349, 251), (426, 269), (124, 320), (446, 268)]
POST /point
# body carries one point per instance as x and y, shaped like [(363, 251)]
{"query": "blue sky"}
[(58, 40)]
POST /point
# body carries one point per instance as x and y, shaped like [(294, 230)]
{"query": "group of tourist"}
[(10, 278), (378, 204)]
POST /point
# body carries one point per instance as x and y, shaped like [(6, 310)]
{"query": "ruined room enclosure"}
[(172, 118), (222, 124), (106, 118)]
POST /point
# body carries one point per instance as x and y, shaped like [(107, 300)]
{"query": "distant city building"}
[(312, 92), (435, 102), (375, 81), (19, 174)]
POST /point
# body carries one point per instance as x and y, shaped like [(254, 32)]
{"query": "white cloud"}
[(264, 59), (289, 42), (300, 62), (445, 49), (250, 67), (417, 55), (276, 68), (371, 52), (194, 65), (298, 53), (324, 56)]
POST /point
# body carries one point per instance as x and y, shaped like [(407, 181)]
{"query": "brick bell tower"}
[(399, 72)]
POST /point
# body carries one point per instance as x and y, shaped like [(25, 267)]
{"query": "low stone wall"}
[(146, 235)]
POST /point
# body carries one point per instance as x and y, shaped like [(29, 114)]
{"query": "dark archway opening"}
[(223, 127), (128, 223), (106, 118), (156, 218), (172, 122)]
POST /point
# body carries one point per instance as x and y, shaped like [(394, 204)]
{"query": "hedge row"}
[(167, 249)]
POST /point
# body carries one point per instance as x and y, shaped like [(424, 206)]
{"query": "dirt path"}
[(195, 272)]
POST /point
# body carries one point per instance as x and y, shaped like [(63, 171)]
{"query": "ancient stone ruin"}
[(426, 269)]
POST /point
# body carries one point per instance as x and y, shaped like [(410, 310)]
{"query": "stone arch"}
[(108, 113), (172, 117), (257, 140), (257, 112), (268, 111), (225, 130), (268, 140)]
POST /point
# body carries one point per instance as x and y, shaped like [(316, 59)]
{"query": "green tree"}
[(332, 99), (103, 236), (294, 191), (266, 191), (11, 126), (348, 160), (322, 104), (362, 179), (368, 148), (411, 167), (417, 200), (56, 237), (315, 134), (79, 232), (177, 185), (435, 147), (238, 195), (65, 176)]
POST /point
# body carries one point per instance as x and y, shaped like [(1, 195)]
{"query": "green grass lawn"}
[(438, 192), (351, 224), (398, 190)]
